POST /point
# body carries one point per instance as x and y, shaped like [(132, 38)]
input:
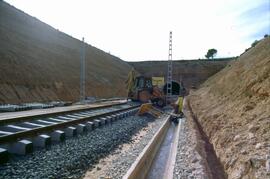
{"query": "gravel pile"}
[(188, 162), (73, 157), (120, 165)]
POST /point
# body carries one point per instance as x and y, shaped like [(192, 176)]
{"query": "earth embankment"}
[(233, 108), (40, 63), (191, 72)]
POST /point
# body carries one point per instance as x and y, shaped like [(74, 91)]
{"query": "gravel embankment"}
[(124, 157), (188, 164), (73, 157)]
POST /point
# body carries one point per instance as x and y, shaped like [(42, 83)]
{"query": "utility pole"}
[(169, 72), (82, 73)]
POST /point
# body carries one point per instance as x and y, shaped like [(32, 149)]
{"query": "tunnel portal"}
[(175, 88)]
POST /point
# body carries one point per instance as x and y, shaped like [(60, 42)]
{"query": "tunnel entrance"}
[(175, 88)]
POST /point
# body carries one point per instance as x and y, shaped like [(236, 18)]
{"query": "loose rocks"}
[(188, 161)]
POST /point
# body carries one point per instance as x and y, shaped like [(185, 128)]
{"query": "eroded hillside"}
[(40, 63), (233, 108)]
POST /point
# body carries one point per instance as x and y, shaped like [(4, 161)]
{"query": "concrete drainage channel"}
[(41, 133), (158, 157)]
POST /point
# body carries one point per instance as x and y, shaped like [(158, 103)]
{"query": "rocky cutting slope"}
[(233, 107), (40, 63)]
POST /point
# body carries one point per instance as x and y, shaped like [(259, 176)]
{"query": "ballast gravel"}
[(123, 160), (188, 162), (73, 157)]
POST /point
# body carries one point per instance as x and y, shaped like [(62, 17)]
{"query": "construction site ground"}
[(195, 156), (226, 133)]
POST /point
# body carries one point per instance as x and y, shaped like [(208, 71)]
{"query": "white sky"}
[(139, 29)]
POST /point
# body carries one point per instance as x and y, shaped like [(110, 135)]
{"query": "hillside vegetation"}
[(233, 108)]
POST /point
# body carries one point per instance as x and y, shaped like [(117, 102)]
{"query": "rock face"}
[(233, 108), (191, 72), (40, 63)]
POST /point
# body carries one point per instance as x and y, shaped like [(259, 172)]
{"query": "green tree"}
[(254, 43), (211, 53)]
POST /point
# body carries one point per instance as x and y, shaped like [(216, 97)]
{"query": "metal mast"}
[(82, 73), (169, 72)]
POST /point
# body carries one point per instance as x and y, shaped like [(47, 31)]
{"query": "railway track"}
[(21, 135), (10, 117)]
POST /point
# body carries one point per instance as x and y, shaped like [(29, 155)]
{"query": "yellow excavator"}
[(141, 89), (148, 108)]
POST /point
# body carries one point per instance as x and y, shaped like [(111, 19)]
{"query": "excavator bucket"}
[(148, 108)]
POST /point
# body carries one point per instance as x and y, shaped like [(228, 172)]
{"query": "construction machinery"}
[(149, 109), (141, 89)]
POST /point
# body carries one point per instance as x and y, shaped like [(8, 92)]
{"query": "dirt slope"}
[(233, 108), (191, 72), (40, 63)]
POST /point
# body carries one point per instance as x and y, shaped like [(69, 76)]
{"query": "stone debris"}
[(189, 163)]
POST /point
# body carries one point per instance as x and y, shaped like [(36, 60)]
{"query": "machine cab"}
[(143, 83)]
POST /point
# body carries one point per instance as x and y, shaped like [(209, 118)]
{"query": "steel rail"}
[(52, 114), (39, 130)]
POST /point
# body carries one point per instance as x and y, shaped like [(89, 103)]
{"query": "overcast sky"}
[(139, 29)]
